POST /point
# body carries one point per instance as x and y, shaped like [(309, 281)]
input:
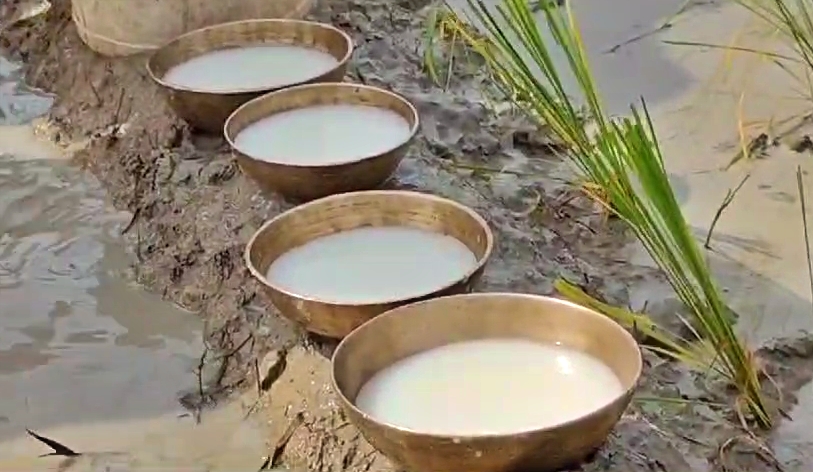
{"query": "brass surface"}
[(207, 111), (308, 182), (354, 210), (421, 326)]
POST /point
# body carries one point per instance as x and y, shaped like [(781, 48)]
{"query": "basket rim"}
[(112, 47)]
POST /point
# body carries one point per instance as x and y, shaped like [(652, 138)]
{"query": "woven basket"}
[(125, 27)]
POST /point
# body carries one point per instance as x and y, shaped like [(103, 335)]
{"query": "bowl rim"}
[(413, 129), (476, 437), (239, 91), (481, 261)]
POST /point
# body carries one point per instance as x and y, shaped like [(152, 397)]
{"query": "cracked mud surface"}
[(193, 211)]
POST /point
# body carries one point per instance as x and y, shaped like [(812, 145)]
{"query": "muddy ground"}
[(193, 211)]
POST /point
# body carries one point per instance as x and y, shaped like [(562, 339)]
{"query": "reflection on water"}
[(77, 342)]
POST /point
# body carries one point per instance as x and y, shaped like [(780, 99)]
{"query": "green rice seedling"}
[(447, 37), (621, 156), (440, 41)]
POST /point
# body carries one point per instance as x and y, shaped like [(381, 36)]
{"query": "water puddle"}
[(85, 356), (78, 343), (627, 57)]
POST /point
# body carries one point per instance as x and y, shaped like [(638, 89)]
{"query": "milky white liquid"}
[(492, 386), (370, 265), (251, 67), (324, 134)]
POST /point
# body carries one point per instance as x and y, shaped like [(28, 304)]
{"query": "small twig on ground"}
[(265, 465), (237, 349), (799, 123), (119, 103), (729, 197), (58, 448), (201, 364), (665, 25), (116, 126), (257, 378), (800, 183), (282, 442), (225, 358), (493, 170), (266, 381), (132, 221), (99, 100)]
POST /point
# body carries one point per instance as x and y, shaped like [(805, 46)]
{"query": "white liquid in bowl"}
[(251, 67), (492, 386), (324, 134), (373, 264)]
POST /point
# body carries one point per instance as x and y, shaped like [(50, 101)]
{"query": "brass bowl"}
[(208, 110), (433, 323), (308, 182), (348, 211)]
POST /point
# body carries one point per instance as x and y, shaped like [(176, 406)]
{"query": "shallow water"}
[(77, 342)]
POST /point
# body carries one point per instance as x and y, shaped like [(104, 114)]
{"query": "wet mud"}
[(192, 212)]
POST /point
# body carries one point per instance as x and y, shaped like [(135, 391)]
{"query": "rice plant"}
[(792, 22), (793, 19), (696, 353), (619, 156)]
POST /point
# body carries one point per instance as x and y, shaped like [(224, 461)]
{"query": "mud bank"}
[(193, 211)]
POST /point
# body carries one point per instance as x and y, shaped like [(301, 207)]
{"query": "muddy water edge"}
[(77, 343), (86, 355), (194, 211)]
